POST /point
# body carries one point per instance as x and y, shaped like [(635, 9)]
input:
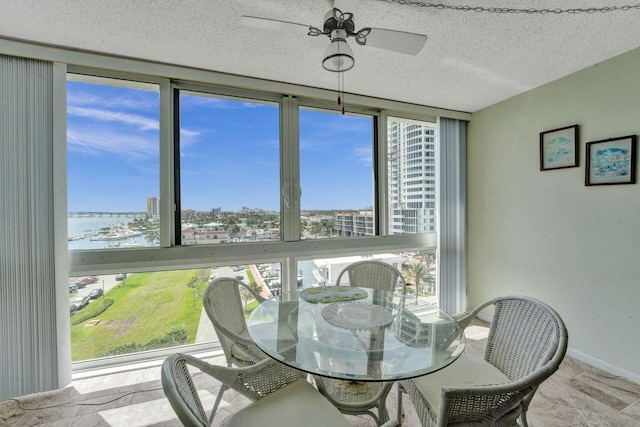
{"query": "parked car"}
[(72, 308), (73, 288), (238, 268), (121, 276), (96, 293), (79, 301), (82, 283), (240, 277)]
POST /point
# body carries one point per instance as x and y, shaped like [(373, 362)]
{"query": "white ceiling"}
[(471, 60)]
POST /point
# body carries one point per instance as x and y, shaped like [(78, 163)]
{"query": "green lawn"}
[(146, 307)]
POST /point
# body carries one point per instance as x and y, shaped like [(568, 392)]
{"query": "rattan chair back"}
[(372, 274), (223, 304)]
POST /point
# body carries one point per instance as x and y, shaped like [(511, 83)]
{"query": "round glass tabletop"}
[(356, 333)]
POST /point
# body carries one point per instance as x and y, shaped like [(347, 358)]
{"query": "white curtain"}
[(452, 248), (28, 346)]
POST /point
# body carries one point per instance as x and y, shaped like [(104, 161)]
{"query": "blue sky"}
[(229, 153)]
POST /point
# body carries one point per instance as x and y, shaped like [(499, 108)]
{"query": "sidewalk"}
[(206, 333)]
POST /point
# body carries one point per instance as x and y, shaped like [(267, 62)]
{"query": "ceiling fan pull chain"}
[(341, 77), (339, 90)]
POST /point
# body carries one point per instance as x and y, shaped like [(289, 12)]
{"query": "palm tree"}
[(152, 236), (418, 273)]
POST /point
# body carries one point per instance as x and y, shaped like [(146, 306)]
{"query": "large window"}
[(113, 163), (179, 182)]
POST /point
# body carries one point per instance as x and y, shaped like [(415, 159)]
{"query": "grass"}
[(146, 307)]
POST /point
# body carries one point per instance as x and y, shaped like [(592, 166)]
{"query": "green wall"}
[(547, 235)]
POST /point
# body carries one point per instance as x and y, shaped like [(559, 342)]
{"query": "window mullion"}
[(382, 201), (289, 170), (167, 170), (289, 184)]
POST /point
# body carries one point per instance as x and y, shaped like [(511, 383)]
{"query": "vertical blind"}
[(28, 351), (452, 259)]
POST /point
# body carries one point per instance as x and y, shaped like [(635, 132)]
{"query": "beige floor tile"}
[(599, 419), (555, 416), (619, 387), (10, 412), (552, 392), (633, 411), (27, 420)]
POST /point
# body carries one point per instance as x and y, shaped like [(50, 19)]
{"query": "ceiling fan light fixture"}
[(338, 56)]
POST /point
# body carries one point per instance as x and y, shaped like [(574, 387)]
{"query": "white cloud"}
[(96, 142), (188, 136), (364, 155), (141, 122), (77, 98), (224, 104)]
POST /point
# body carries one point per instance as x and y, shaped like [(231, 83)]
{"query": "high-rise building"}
[(412, 178), (412, 184), (153, 206)]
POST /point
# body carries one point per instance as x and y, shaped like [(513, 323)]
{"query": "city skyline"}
[(229, 153)]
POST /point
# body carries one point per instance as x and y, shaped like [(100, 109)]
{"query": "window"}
[(112, 163), (229, 167), (218, 169), (116, 314), (336, 175)]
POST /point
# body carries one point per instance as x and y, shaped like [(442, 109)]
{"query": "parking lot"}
[(104, 282)]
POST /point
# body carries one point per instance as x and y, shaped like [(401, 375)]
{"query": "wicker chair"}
[(527, 341), (280, 397), (223, 305), (376, 275), (373, 274)]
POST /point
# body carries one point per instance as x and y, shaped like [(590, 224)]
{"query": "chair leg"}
[(223, 388), (400, 414), (383, 414)]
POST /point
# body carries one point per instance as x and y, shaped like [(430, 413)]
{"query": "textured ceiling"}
[(471, 60)]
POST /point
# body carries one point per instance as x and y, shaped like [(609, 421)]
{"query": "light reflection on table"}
[(419, 338)]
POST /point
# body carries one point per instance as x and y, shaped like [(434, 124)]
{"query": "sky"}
[(229, 153)]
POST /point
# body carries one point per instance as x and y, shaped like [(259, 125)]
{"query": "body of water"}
[(86, 225), (83, 225)]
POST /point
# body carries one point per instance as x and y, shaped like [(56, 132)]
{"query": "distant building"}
[(153, 206), (354, 224), (197, 236), (216, 211)]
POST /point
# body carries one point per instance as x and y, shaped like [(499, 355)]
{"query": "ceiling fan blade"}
[(398, 41), (274, 24)]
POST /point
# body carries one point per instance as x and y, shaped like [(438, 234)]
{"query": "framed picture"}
[(559, 148), (611, 161)]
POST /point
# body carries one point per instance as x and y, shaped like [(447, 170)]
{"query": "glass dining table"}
[(357, 334)]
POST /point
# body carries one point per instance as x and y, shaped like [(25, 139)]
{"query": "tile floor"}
[(576, 395)]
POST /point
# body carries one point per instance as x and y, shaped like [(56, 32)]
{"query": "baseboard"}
[(590, 360), (485, 317), (605, 366)]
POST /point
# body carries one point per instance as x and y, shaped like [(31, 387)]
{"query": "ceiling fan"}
[(339, 26)]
